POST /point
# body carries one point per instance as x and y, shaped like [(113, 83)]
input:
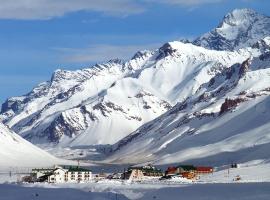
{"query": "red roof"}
[(204, 169)]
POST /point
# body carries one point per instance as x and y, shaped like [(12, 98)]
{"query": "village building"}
[(204, 170), (180, 169), (189, 171), (77, 174), (151, 171), (57, 176), (62, 175), (39, 174), (133, 175), (138, 173)]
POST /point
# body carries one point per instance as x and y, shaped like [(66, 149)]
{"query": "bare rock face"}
[(244, 68), (166, 50), (265, 56), (229, 104)]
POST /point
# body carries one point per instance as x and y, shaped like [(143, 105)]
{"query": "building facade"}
[(62, 175)]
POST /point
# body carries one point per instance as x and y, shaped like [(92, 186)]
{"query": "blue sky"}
[(40, 36)]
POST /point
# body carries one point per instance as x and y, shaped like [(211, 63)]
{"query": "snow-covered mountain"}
[(238, 29), (103, 104), (226, 120), (177, 103), (17, 152)]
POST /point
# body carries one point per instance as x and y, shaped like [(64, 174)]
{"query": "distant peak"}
[(243, 11), (239, 29), (239, 15)]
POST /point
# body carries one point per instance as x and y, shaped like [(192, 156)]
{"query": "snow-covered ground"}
[(17, 192), (248, 172), (220, 191)]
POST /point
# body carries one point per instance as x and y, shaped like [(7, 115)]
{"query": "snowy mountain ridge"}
[(86, 106), (226, 120)]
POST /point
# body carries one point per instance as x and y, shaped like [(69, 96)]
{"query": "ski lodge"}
[(61, 174)]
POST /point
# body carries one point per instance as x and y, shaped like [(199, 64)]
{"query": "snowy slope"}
[(17, 152), (103, 104), (240, 28), (226, 120)]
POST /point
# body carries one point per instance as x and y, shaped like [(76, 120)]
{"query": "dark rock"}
[(166, 50), (244, 68), (229, 104)]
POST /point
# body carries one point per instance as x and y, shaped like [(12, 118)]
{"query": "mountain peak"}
[(242, 12), (241, 16), (238, 29)]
